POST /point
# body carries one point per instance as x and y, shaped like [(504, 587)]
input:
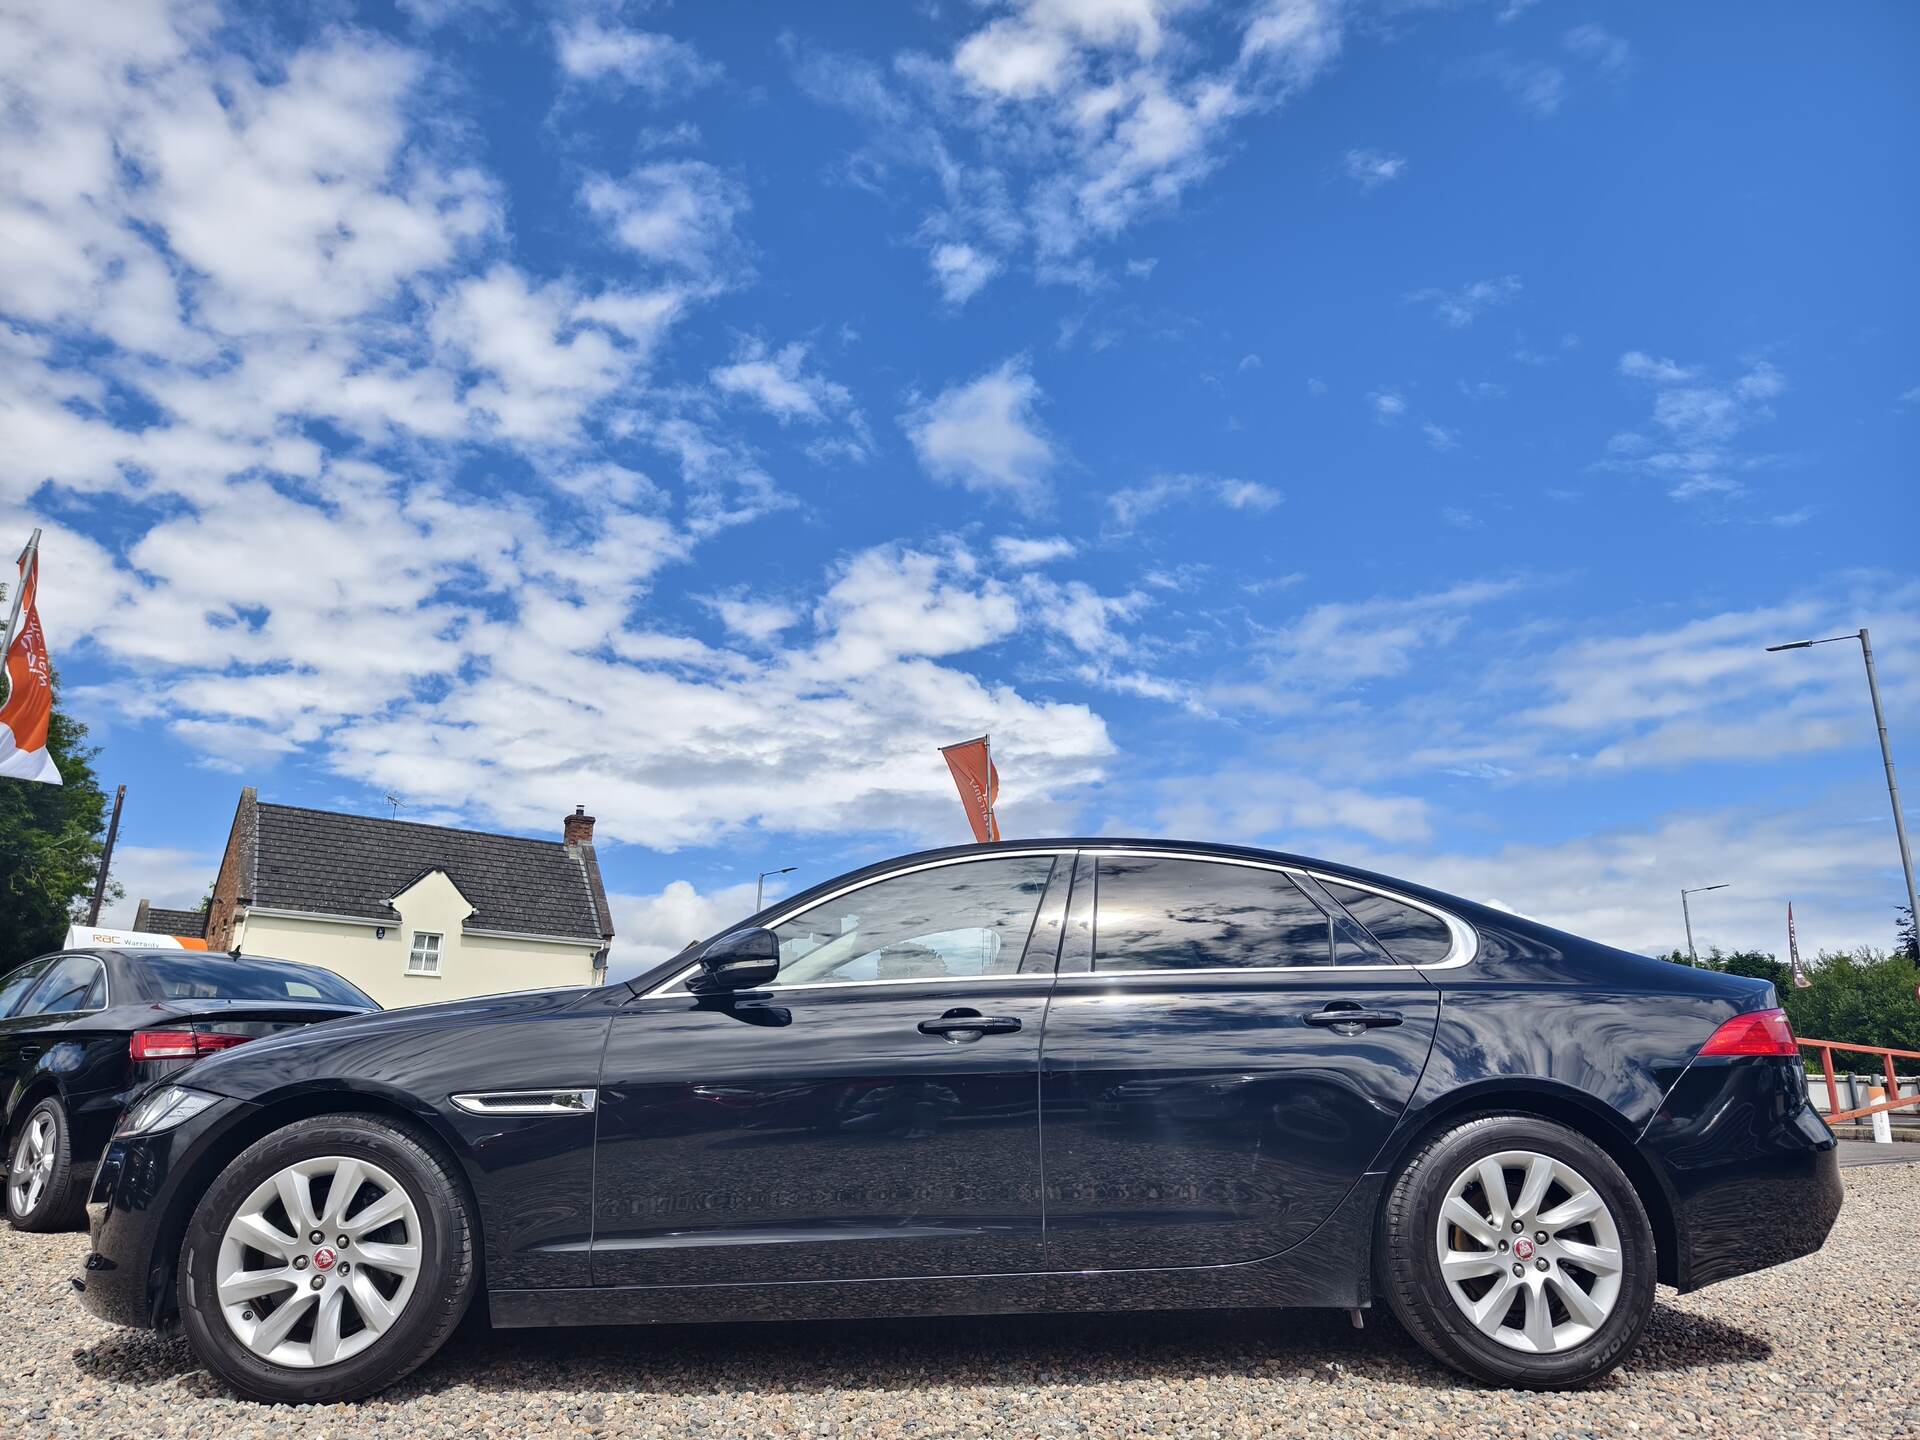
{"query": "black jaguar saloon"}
[(1049, 1076)]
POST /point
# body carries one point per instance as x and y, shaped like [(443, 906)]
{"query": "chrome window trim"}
[(1466, 943), (526, 1102), (781, 917)]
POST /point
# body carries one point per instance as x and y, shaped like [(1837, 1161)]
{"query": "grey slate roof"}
[(153, 920), (319, 861)]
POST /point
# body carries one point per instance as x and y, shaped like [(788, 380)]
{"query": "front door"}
[(847, 1121), (1202, 1101)]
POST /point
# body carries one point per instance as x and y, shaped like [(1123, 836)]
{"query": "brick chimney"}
[(577, 829)]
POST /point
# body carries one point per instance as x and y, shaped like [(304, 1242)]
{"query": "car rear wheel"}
[(329, 1260), (42, 1191), (1516, 1250)]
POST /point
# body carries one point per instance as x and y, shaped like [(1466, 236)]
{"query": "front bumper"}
[(143, 1194), (1752, 1172)]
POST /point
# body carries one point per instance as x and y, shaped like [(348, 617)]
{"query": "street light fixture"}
[(1687, 915), (759, 885), (1886, 750)]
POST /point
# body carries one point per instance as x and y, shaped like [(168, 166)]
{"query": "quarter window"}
[(1409, 935), (424, 957), (18, 983), (1162, 914), (950, 921)]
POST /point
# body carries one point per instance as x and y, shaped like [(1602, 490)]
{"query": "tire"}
[(1598, 1244), (43, 1193), (310, 1322)]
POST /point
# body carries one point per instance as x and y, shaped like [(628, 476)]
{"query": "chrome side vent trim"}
[(527, 1102)]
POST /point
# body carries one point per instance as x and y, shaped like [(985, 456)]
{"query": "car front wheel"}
[(1516, 1250), (327, 1261)]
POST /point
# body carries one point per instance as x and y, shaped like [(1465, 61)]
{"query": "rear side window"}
[(67, 987), (1411, 936), (1163, 914)]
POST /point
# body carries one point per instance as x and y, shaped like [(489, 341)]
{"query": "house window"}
[(424, 957)]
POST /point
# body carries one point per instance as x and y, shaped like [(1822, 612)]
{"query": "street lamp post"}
[(1687, 915), (760, 885), (1886, 751)]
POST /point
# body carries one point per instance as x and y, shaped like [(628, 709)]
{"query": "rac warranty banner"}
[(83, 937)]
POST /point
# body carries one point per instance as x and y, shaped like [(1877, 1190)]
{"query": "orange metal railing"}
[(1887, 1057)]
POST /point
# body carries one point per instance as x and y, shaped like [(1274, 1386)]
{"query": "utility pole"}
[(106, 858), (1687, 915), (1886, 752), (760, 885)]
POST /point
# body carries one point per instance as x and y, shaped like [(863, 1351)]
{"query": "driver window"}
[(950, 921)]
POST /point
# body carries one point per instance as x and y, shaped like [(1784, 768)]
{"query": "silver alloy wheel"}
[(319, 1261), (1529, 1251), (32, 1163)]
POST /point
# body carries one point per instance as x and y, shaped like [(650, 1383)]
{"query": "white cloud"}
[(961, 271), (777, 381), (1388, 406), (1134, 504), (985, 435), (168, 877), (1608, 52), (1440, 437), (1021, 552), (1055, 124), (649, 929), (1460, 307), (755, 620), (658, 64), (1370, 169), (1692, 441), (677, 213), (1278, 808)]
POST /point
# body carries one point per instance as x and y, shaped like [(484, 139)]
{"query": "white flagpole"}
[(19, 600)]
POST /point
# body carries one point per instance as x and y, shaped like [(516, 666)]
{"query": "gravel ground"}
[(1823, 1346)]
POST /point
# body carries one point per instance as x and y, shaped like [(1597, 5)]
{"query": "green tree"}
[(1905, 942), (50, 844), (1863, 997)]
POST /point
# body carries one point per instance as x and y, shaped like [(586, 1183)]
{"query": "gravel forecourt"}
[(1824, 1346)]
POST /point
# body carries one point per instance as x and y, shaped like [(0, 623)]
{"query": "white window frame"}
[(429, 954)]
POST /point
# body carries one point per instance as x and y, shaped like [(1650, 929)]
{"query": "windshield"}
[(246, 979)]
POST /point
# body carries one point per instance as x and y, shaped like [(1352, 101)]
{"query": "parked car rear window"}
[(191, 979), (15, 984), (1411, 936), (1160, 914)]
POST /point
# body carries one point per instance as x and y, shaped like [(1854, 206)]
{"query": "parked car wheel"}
[(1515, 1250), (330, 1259), (42, 1191)]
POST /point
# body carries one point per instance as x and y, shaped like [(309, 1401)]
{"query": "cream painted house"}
[(412, 913)]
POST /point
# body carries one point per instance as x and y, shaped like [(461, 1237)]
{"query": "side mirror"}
[(738, 960)]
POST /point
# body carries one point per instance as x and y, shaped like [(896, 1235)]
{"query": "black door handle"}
[(1349, 1019), (969, 1025)]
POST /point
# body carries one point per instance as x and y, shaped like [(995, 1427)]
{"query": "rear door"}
[(1226, 1052), (872, 1114)]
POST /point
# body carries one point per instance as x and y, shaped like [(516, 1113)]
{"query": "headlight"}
[(161, 1110)]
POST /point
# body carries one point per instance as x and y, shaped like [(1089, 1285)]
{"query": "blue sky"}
[(1385, 431)]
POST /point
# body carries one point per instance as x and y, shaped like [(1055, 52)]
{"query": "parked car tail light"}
[(1762, 1032), (179, 1044)]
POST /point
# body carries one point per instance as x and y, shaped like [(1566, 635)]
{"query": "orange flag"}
[(972, 765), (29, 705)]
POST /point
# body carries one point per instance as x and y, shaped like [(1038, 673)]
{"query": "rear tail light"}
[(1763, 1032), (179, 1044)]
